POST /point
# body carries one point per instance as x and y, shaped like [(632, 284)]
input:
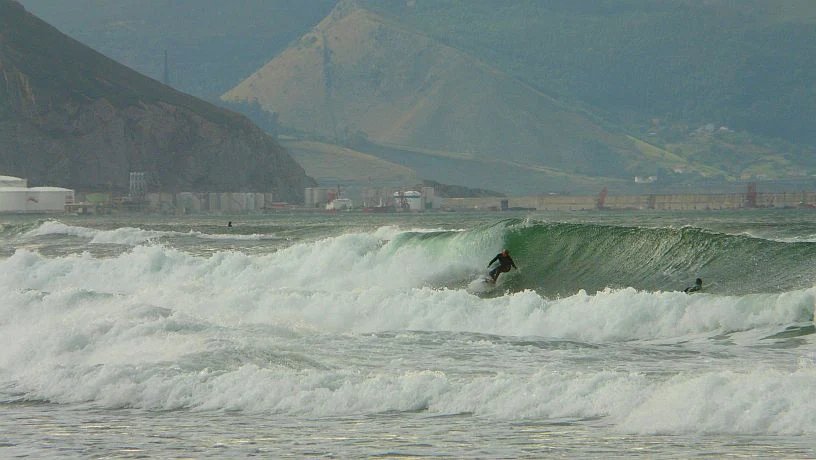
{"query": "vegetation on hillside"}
[(748, 65), (662, 69)]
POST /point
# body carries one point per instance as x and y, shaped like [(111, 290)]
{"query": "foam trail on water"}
[(231, 236), (131, 235), (122, 235)]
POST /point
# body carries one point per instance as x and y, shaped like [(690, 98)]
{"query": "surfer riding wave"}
[(505, 263)]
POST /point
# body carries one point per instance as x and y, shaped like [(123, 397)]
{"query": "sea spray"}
[(372, 324)]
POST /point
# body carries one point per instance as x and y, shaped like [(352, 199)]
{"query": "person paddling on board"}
[(698, 286), (505, 262)]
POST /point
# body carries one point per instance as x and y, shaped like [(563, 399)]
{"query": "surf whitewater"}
[(311, 317), (358, 273)]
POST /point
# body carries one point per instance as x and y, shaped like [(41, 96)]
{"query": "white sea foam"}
[(122, 235), (231, 236), (158, 328), (132, 236), (376, 283), (754, 400), (52, 227)]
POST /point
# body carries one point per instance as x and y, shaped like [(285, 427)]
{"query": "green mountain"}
[(746, 64), (371, 77), (659, 69), (358, 77), (71, 117)]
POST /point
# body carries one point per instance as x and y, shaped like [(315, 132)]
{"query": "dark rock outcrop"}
[(71, 117)]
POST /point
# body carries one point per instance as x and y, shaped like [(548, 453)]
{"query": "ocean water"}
[(355, 335)]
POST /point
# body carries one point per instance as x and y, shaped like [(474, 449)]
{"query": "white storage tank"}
[(16, 196), (10, 181), (309, 197), (13, 199), (48, 199), (321, 196), (36, 199)]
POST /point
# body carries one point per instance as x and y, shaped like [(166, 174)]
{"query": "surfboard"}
[(481, 284)]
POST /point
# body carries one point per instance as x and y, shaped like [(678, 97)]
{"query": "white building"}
[(410, 200), (340, 204), (645, 180), (16, 196)]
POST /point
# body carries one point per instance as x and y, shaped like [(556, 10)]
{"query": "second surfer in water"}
[(505, 263), (698, 286)]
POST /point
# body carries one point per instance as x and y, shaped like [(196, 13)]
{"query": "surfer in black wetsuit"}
[(505, 262), (698, 286)]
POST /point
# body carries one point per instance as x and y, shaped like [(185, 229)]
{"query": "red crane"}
[(601, 199)]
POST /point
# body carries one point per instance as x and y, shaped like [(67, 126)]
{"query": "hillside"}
[(330, 165), (442, 88), (358, 77), (524, 97), (211, 44), (72, 117), (659, 69)]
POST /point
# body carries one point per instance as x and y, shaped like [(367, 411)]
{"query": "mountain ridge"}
[(72, 117), (696, 93), (342, 80)]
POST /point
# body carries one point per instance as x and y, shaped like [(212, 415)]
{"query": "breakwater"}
[(665, 202)]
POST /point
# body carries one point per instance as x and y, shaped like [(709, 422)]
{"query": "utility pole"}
[(166, 70)]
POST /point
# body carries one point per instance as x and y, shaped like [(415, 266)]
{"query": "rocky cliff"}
[(71, 117)]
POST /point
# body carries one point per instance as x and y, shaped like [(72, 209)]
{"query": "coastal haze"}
[(524, 99), (207, 295)]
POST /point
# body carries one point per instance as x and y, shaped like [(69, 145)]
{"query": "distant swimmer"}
[(698, 286), (505, 262), (229, 224)]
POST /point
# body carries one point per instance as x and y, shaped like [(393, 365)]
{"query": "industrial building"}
[(374, 199), (411, 200), (17, 197), (320, 197), (195, 202)]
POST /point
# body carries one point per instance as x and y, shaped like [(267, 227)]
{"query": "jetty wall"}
[(667, 202)]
